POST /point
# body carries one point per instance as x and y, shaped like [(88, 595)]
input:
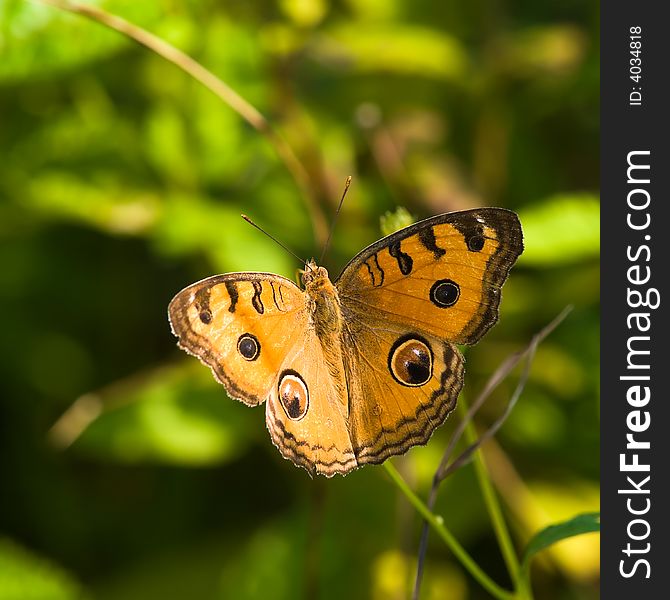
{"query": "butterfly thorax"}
[(326, 318), (324, 302)]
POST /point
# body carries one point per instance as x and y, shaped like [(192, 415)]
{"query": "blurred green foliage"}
[(126, 471)]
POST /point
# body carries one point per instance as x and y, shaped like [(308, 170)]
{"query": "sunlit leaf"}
[(105, 205), (304, 12), (549, 50), (392, 221), (177, 415), (563, 229), (550, 503), (27, 576), (36, 39), (400, 49)]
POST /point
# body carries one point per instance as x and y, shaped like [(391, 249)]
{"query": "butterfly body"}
[(363, 368), (325, 316)]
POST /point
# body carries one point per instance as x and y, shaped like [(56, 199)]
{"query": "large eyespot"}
[(411, 361), (206, 316), (248, 346), (293, 394), (444, 293)]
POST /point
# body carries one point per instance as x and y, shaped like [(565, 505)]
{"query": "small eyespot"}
[(444, 293), (411, 361), (206, 316), (476, 242), (293, 395), (248, 346)]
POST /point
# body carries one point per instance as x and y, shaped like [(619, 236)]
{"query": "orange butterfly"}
[(366, 367)]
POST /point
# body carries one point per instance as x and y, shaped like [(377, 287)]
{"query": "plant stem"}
[(493, 506), (520, 579), (438, 525)]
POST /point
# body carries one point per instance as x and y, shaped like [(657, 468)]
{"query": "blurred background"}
[(125, 471)]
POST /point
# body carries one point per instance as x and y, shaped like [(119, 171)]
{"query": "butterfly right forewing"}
[(442, 275)]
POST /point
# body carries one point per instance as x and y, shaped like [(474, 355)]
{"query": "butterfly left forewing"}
[(442, 275), (304, 411), (241, 325)]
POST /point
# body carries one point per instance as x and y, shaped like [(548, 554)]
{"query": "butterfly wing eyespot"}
[(248, 346), (410, 361), (475, 243), (293, 394), (444, 293)]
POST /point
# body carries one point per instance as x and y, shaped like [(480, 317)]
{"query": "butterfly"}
[(363, 368)]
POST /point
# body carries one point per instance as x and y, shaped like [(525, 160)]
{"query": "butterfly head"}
[(314, 277)]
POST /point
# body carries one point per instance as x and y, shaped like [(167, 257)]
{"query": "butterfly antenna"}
[(347, 183), (274, 239)]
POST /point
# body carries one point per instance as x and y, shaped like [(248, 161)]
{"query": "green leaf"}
[(584, 523), (101, 203), (191, 224), (561, 230), (36, 39), (392, 221), (550, 50), (28, 576), (398, 49), (174, 415)]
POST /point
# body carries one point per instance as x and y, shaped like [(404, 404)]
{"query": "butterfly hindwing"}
[(441, 276), (241, 325), (305, 413), (403, 384)]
